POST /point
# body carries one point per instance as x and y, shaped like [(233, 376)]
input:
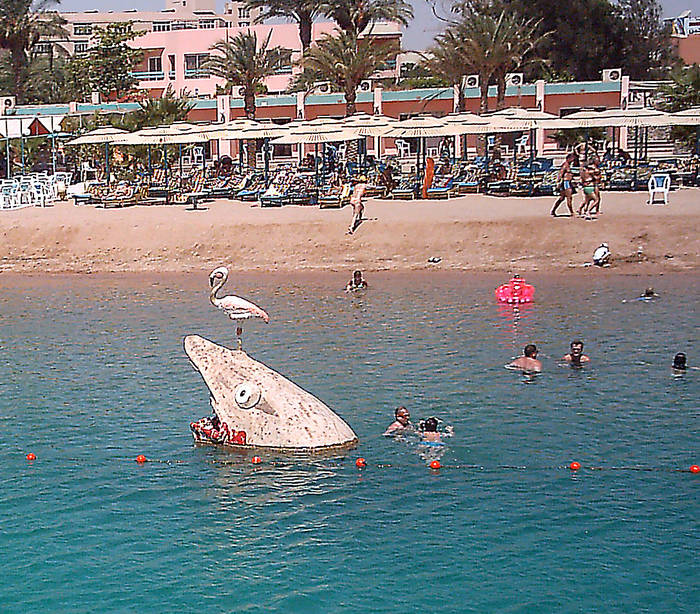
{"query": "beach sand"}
[(475, 232)]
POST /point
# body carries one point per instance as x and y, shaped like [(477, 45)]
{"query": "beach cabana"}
[(107, 135)]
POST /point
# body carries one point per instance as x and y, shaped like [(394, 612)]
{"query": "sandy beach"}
[(475, 232)]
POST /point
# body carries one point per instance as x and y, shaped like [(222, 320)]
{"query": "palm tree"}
[(353, 16), (242, 62), (303, 12), (22, 24), (345, 60), (445, 59)]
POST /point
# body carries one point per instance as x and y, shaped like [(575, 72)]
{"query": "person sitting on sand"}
[(528, 361), (356, 283), (576, 356), (680, 362), (402, 421), (429, 431), (601, 256)]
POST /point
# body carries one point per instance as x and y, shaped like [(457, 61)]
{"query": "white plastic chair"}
[(521, 145), (403, 148), (659, 183)]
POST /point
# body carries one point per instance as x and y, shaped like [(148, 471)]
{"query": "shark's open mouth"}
[(212, 430)]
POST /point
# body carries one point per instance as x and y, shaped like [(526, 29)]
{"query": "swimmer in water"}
[(528, 361), (648, 294), (430, 433), (401, 423), (356, 283), (576, 357), (680, 363)]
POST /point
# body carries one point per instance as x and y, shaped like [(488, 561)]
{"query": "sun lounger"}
[(336, 197)]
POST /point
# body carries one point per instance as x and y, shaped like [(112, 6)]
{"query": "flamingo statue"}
[(234, 307)]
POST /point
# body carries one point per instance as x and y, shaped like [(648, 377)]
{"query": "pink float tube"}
[(516, 291)]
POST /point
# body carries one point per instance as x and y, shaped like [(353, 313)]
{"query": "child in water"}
[(429, 432)]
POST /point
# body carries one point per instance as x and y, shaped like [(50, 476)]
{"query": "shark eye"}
[(247, 395)]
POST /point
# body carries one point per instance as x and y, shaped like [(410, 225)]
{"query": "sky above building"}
[(419, 33)]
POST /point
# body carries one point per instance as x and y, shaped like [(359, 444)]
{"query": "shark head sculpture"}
[(255, 406)]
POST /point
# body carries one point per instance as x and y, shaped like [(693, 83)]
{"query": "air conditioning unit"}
[(364, 86), (238, 91), (95, 97), (7, 105), (612, 74), (322, 87), (470, 81), (514, 79)]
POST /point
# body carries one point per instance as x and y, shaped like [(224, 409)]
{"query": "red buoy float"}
[(575, 466), (515, 292), (360, 463), (435, 464), (31, 456), (141, 459), (256, 460), (693, 468)]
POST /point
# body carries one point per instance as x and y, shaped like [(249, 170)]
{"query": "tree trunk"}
[(461, 100), (483, 108), (252, 160), (249, 102), (18, 59), (500, 91), (305, 24), (350, 97)]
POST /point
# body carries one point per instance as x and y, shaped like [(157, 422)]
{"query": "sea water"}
[(93, 374)]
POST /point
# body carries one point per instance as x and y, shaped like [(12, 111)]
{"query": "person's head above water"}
[(430, 425), (576, 347), (357, 276), (402, 415), (649, 292), (679, 361), (530, 350)]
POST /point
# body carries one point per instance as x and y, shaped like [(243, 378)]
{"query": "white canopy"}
[(17, 126)]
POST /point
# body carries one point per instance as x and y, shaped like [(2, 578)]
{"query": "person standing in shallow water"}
[(528, 361), (356, 283), (576, 357), (402, 421), (566, 188)]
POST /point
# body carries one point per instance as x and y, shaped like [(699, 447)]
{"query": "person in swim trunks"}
[(588, 185), (528, 361), (402, 422), (597, 184), (566, 191), (576, 356)]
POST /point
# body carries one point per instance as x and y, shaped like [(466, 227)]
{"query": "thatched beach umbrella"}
[(265, 131)]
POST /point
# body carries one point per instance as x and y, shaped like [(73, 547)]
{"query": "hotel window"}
[(81, 47), (194, 65), (243, 12), (184, 25), (207, 24), (284, 64), (243, 24), (155, 64), (161, 26), (82, 29)]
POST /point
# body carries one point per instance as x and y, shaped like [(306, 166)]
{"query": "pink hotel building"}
[(176, 42)]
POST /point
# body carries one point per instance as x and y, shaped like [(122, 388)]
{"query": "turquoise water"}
[(94, 374)]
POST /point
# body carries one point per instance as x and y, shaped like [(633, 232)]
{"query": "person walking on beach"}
[(588, 191), (402, 421), (358, 207), (597, 184), (528, 361), (566, 188)]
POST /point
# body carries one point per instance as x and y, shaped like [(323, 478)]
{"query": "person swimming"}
[(528, 362), (680, 362), (648, 294), (401, 423), (576, 357), (356, 283), (429, 432)]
